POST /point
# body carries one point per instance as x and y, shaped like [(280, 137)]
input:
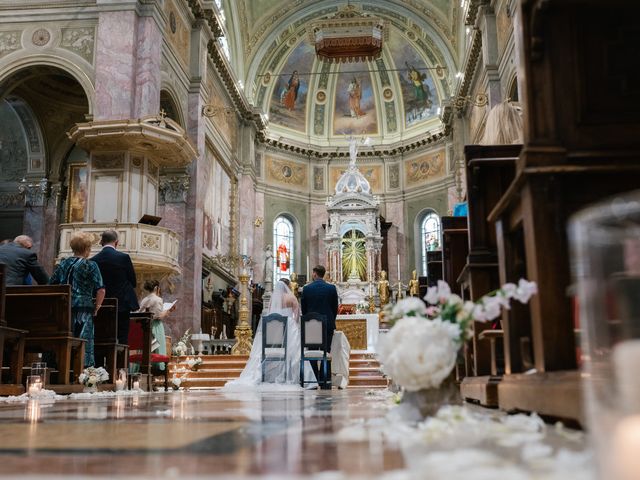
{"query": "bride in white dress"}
[(277, 373)]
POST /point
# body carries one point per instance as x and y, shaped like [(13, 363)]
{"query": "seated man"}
[(21, 262)]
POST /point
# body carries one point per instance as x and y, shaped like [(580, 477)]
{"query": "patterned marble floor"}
[(182, 434)]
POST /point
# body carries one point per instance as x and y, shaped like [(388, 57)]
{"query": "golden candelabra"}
[(243, 332)]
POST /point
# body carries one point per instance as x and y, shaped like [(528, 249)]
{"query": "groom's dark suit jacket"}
[(321, 297), (120, 282)]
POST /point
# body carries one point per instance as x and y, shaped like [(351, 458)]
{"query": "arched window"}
[(430, 235), (283, 244)]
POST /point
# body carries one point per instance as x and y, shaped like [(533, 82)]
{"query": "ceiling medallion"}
[(348, 36), (321, 96), (41, 37)]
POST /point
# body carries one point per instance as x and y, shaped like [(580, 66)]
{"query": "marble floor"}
[(324, 435), (193, 434)]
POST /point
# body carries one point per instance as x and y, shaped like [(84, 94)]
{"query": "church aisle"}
[(180, 434)]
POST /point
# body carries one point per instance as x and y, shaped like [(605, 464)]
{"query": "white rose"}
[(418, 353), (525, 290), (408, 307)]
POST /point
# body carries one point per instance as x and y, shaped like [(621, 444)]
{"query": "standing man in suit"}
[(119, 279), (321, 297), (21, 262)]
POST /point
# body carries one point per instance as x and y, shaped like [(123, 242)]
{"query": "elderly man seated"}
[(22, 262)]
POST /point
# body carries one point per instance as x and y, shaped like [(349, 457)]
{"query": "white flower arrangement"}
[(93, 376), (176, 380), (362, 307), (193, 363), (420, 349), (183, 345)]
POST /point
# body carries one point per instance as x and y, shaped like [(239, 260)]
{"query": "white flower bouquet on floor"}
[(420, 350), (183, 345), (193, 363), (91, 377)]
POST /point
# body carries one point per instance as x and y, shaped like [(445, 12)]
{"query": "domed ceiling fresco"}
[(391, 99)]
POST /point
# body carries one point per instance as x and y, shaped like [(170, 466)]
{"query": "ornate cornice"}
[(472, 11), (245, 110), (470, 67), (377, 151), (208, 16)]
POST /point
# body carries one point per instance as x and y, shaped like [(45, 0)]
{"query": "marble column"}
[(35, 193), (128, 57), (174, 188)]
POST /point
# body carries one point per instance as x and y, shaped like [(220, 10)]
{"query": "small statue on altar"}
[(383, 289), (414, 287), (294, 284)]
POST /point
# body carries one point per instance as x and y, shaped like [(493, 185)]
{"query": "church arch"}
[(13, 74), (171, 106)]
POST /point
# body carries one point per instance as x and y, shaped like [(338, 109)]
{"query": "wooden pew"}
[(106, 346), (13, 339), (45, 311), (455, 248), (490, 171), (434, 267), (579, 148)]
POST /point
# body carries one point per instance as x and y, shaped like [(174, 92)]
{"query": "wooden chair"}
[(274, 342), (115, 355), (12, 338), (314, 346), (45, 311), (140, 339)]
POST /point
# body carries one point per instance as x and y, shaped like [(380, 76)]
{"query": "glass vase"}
[(605, 250), (429, 400)]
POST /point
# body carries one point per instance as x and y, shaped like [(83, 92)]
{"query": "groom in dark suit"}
[(321, 297), (119, 279)]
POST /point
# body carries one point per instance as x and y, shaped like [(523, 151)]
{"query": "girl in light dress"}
[(153, 303)]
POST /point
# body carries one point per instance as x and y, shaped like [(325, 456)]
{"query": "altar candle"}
[(119, 385), (398, 267), (308, 277), (244, 247)]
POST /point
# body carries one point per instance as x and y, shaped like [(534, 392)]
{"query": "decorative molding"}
[(11, 200), (9, 42), (377, 151), (470, 67), (80, 41), (174, 188), (34, 192)]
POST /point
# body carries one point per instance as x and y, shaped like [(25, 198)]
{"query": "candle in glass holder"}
[(624, 462), (119, 385), (625, 355), (136, 385)]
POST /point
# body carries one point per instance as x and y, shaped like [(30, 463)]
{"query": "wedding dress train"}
[(278, 375)]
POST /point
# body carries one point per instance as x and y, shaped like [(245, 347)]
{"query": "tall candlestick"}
[(398, 267), (308, 277), (244, 246)]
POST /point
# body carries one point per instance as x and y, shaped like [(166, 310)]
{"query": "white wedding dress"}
[(278, 375)]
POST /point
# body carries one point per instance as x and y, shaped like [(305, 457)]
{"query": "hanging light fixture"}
[(349, 36)]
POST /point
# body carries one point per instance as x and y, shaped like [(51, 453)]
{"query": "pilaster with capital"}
[(174, 188)]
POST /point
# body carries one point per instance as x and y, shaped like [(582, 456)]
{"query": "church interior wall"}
[(436, 201)]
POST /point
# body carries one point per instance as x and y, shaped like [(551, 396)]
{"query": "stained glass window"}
[(283, 244), (431, 236)]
